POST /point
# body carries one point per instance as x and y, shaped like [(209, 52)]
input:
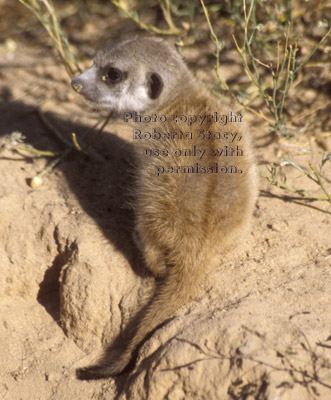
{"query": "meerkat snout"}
[(76, 85), (83, 84)]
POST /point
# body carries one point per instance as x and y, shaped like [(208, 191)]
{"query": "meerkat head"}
[(135, 74)]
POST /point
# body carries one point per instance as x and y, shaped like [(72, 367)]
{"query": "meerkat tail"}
[(176, 289)]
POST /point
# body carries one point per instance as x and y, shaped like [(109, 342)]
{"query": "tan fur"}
[(184, 219)]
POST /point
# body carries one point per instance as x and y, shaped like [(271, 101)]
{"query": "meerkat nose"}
[(76, 84)]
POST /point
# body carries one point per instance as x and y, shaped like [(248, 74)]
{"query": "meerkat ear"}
[(155, 85)]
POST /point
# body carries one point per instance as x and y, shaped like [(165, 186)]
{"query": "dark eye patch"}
[(112, 75)]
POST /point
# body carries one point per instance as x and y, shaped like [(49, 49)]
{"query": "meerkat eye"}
[(112, 75)]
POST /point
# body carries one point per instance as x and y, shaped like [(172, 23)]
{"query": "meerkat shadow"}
[(101, 182)]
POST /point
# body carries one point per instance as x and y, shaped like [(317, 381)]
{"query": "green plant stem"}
[(308, 57), (300, 193), (286, 69), (52, 26), (320, 182), (32, 150), (172, 31), (266, 97), (217, 44)]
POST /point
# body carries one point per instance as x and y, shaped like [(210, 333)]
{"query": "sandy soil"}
[(271, 302)]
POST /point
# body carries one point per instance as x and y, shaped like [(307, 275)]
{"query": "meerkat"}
[(195, 187)]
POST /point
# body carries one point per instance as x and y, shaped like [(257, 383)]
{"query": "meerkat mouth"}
[(98, 104)]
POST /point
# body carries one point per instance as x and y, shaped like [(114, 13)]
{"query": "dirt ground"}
[(262, 330)]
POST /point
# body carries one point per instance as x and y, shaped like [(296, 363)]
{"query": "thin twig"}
[(52, 129), (313, 111), (217, 44), (320, 182), (44, 11), (318, 45), (172, 31)]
